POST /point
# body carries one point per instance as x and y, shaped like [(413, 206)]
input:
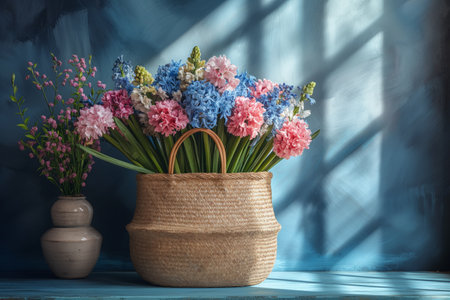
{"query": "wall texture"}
[(373, 191)]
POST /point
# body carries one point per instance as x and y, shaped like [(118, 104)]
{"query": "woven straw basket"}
[(203, 229)]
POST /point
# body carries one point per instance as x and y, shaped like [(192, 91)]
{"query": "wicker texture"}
[(204, 229)]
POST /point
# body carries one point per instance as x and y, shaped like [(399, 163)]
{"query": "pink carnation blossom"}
[(246, 118), (263, 87), (167, 117), (119, 103), (94, 122), (292, 138), (221, 73)]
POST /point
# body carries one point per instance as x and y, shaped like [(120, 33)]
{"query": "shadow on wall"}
[(379, 200), (371, 194)]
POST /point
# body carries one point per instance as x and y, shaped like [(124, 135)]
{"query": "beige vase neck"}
[(71, 211)]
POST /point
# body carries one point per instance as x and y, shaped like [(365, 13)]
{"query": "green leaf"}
[(207, 149), (190, 155), (13, 99), (267, 162), (315, 134), (30, 136), (243, 143), (232, 146), (272, 164), (23, 126), (145, 143), (26, 121), (115, 161), (134, 143), (110, 139), (266, 149), (255, 150), (170, 143)]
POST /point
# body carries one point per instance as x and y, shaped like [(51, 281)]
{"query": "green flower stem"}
[(168, 148), (237, 154), (215, 160), (123, 143), (184, 165), (207, 149), (116, 144), (125, 147), (169, 141), (182, 162), (233, 143), (143, 140), (242, 153), (199, 148), (244, 157), (190, 153), (267, 162), (221, 133), (161, 150), (196, 153), (261, 156), (273, 163), (255, 150), (141, 156)]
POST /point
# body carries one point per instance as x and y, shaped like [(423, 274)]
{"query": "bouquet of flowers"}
[(259, 122), (53, 141)]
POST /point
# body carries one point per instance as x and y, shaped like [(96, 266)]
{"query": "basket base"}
[(203, 260)]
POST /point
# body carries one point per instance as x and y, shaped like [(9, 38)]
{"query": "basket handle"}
[(215, 138)]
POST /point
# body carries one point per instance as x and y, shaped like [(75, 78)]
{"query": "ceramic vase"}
[(72, 247)]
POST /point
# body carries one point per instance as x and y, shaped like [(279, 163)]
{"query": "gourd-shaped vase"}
[(72, 247)]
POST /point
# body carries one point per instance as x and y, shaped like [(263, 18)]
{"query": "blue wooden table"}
[(284, 285)]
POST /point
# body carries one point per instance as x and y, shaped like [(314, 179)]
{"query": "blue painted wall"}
[(373, 191)]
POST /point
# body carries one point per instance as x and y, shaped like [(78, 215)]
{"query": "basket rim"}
[(206, 176)]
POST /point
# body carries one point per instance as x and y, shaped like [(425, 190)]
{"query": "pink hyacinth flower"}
[(94, 122), (292, 139), (119, 103), (221, 73), (167, 117), (246, 118), (263, 87)]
